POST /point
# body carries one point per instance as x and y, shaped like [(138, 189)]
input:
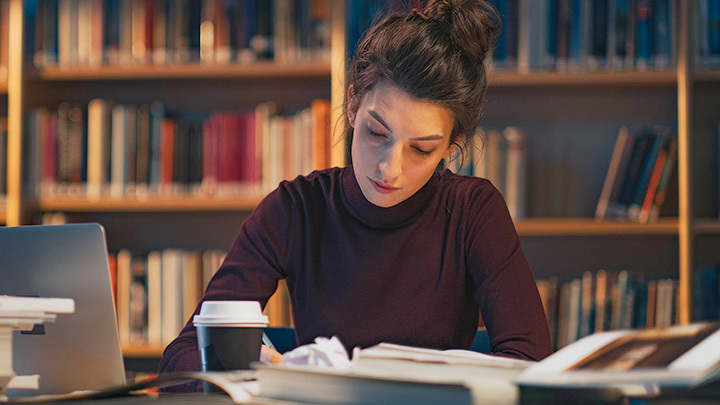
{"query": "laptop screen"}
[(79, 351)]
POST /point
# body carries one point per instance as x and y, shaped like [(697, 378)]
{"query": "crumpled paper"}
[(324, 353)]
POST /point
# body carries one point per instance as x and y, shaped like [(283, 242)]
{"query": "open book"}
[(677, 357), (396, 374)]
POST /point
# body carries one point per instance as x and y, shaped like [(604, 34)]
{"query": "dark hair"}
[(435, 53)]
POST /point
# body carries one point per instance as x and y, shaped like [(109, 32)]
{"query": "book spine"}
[(98, 145), (645, 174), (516, 172), (664, 183)]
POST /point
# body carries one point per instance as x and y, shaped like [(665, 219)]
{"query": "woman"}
[(390, 249)]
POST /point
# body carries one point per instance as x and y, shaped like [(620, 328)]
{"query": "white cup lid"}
[(231, 313)]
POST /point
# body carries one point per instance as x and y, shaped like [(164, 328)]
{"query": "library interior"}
[(167, 122)]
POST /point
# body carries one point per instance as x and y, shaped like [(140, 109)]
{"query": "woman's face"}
[(398, 142)]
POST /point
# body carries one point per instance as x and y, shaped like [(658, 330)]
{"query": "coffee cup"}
[(229, 334)]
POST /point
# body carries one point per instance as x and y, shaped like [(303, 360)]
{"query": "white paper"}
[(324, 353)]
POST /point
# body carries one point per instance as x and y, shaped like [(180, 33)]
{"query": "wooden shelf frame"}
[(181, 204), (706, 226), (142, 351), (259, 70), (598, 78), (591, 227)]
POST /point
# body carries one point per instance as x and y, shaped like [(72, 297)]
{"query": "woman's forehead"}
[(398, 108)]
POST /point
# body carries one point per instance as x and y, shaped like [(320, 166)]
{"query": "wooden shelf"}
[(3, 210), (590, 227), (707, 226), (601, 78), (150, 205), (260, 70), (142, 351), (707, 76)]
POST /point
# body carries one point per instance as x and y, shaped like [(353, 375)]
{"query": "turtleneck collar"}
[(380, 217)]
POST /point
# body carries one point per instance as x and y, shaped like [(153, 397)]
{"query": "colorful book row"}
[(576, 35), (156, 294), (707, 32), (500, 156), (112, 150), (606, 300), (70, 33), (639, 176)]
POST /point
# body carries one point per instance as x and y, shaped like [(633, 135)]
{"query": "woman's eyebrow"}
[(379, 119), (434, 137), (429, 138)]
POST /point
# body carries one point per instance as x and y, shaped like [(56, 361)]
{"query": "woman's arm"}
[(250, 271), (505, 288)]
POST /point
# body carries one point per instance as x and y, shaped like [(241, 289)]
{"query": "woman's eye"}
[(375, 134), (422, 151)]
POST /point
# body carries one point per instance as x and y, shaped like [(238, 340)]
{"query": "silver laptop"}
[(79, 351)]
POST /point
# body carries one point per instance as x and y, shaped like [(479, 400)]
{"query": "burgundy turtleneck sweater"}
[(414, 274)]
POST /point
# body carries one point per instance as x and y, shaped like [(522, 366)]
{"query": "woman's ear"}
[(352, 105), (449, 150)]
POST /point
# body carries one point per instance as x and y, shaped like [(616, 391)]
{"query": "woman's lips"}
[(382, 188)]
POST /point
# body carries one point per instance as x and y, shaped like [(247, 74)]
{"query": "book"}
[(680, 357), (394, 374), (516, 172), (658, 146), (613, 180), (99, 138)]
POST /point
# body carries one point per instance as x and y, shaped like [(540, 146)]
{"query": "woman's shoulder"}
[(304, 190), (316, 181), (319, 184), (464, 186)]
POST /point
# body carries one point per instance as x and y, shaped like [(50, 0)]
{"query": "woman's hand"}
[(270, 356)]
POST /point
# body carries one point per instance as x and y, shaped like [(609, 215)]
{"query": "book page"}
[(454, 356)]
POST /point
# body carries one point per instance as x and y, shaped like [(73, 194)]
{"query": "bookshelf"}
[(573, 118), (140, 351), (258, 70), (591, 227), (597, 78), (187, 204)]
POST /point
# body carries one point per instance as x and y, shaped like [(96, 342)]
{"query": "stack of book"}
[(640, 173), (501, 157), (71, 33), (125, 151), (604, 301), (24, 314)]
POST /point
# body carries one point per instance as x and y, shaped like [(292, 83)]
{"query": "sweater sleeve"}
[(258, 258), (505, 288)]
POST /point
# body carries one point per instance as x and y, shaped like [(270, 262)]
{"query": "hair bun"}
[(470, 24)]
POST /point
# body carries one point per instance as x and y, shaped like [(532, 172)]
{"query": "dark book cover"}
[(111, 34), (180, 163), (639, 152), (660, 141), (142, 170)]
